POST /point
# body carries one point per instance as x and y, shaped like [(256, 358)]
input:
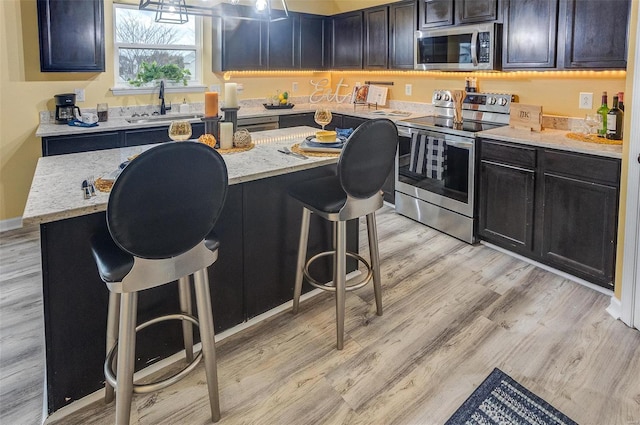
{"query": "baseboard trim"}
[(551, 269), (10, 224), (615, 308)]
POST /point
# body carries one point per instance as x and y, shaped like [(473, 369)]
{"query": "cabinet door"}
[(306, 119), (244, 44), (435, 13), (507, 205), (469, 11), (146, 136), (60, 145), (402, 26), (347, 41), (281, 43), (376, 38), (580, 227), (596, 33), (313, 42), (530, 34), (71, 35)]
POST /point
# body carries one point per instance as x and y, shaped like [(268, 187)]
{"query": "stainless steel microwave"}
[(460, 48)]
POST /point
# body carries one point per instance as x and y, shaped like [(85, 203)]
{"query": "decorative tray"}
[(287, 106)]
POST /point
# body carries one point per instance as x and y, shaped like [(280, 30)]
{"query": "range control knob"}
[(437, 96), (491, 100), (447, 97), (502, 101)]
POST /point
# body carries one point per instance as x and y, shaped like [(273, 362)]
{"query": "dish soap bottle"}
[(184, 107)]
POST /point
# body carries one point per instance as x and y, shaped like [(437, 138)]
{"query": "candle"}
[(231, 95), (211, 104), (226, 135)]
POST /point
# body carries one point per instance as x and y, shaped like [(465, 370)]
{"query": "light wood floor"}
[(453, 312)]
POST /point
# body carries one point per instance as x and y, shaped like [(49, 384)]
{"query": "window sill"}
[(125, 91)]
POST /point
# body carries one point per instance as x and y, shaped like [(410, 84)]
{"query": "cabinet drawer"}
[(59, 145), (586, 167), (146, 136), (506, 153)]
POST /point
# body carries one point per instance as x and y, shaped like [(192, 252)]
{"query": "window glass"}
[(139, 40)]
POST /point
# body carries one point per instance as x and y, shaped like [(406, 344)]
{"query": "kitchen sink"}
[(162, 118)]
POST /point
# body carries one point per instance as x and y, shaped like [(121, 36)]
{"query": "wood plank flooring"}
[(452, 312)]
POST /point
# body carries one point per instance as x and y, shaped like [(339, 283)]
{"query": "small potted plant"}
[(150, 72)]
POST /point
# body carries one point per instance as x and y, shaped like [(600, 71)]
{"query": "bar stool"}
[(160, 216), (365, 162)]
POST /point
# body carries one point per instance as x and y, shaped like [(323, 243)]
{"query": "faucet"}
[(163, 108)]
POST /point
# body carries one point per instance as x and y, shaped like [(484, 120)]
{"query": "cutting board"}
[(527, 117)]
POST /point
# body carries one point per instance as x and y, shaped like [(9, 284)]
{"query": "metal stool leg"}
[(302, 255), (126, 357), (112, 336), (340, 277), (375, 260), (186, 307), (205, 316)]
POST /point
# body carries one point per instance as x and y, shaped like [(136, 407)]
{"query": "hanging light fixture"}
[(178, 11)]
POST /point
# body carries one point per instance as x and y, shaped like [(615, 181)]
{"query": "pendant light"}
[(178, 11)]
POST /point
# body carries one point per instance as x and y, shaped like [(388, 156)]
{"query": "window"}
[(139, 39)]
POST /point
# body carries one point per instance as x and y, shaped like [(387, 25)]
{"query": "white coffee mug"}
[(89, 118)]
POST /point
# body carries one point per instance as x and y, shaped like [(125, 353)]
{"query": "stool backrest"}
[(367, 158), (167, 199)]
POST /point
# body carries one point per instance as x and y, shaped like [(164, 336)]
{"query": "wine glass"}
[(593, 122), (180, 130), (322, 117)]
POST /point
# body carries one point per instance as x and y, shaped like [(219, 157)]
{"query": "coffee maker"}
[(66, 107)]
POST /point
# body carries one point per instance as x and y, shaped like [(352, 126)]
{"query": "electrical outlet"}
[(79, 95), (407, 89), (586, 100), (240, 87), (294, 87)]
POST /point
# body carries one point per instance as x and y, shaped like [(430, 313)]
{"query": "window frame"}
[(194, 84)]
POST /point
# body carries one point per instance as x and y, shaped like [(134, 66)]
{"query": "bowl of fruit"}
[(278, 101)]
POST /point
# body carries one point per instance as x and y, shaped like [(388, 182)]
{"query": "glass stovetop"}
[(447, 123)]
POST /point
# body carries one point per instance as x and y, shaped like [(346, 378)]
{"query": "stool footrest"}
[(110, 376), (331, 288)]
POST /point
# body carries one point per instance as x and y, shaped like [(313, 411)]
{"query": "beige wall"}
[(24, 90)]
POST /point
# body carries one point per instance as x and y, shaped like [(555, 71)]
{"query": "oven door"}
[(438, 169)]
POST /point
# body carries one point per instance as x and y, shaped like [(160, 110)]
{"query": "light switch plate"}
[(214, 87), (294, 87), (407, 89), (79, 95)]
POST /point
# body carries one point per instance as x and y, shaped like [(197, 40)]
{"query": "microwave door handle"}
[(474, 48)]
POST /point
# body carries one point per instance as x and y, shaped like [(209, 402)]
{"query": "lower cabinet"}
[(559, 208), (306, 118)]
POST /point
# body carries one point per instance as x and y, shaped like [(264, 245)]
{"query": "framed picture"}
[(360, 94)]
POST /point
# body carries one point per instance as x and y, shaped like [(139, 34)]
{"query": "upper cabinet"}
[(281, 49), (71, 35), (530, 34), (376, 38), (313, 42), (596, 33), (244, 44), (439, 13), (402, 25), (346, 35)]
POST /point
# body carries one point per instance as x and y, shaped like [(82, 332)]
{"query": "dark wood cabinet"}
[(472, 11), (59, 145), (280, 46), (506, 191), (579, 216), (435, 13), (402, 26), (313, 42), (306, 118), (147, 136), (558, 208), (244, 44), (530, 34), (71, 35), (346, 36), (595, 33), (376, 38)]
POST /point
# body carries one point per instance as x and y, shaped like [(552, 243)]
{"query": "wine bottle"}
[(603, 110), (621, 101), (614, 121)]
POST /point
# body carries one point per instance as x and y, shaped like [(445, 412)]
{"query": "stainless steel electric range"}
[(435, 178)]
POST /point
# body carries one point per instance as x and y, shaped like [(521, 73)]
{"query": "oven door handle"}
[(474, 48), (457, 144)]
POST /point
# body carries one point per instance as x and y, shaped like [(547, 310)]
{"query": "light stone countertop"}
[(120, 123), (554, 139), (56, 191)]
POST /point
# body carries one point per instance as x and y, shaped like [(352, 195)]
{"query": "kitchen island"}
[(255, 271)]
